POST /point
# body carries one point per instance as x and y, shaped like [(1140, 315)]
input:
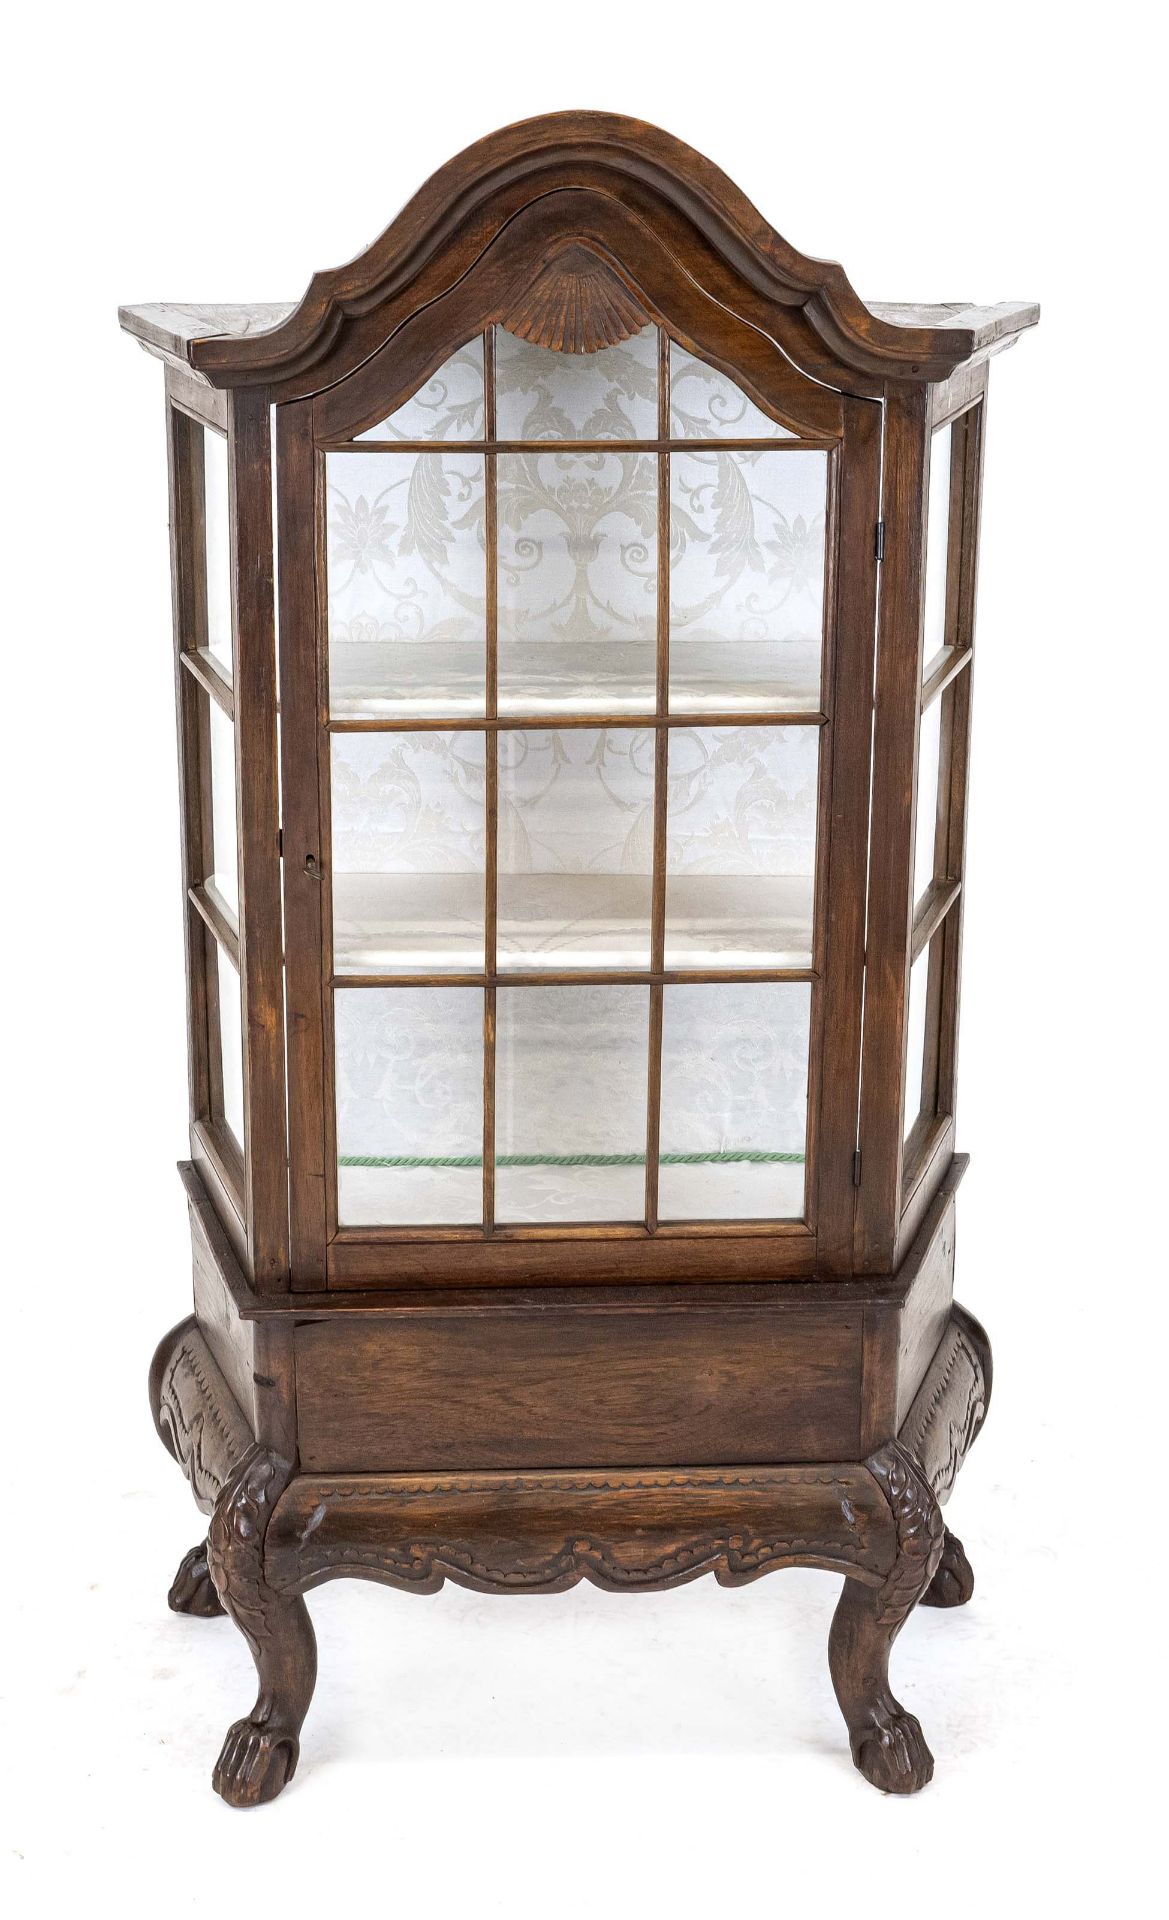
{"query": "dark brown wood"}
[(259, 1754), (303, 887), (476, 194), (258, 811), (890, 906), (521, 1406), (544, 1532), (521, 1392)]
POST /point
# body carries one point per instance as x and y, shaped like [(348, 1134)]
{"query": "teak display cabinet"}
[(574, 617)]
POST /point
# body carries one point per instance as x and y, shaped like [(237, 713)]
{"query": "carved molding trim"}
[(950, 1407), (576, 304), (195, 1412), (542, 1533), (920, 1532)]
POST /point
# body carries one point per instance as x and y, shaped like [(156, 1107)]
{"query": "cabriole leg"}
[(888, 1745), (953, 1583), (192, 1589), (260, 1753)]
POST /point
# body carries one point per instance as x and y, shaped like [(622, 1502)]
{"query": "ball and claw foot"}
[(891, 1752), (193, 1590), (953, 1583), (256, 1764)]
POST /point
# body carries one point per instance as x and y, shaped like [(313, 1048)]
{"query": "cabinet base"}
[(276, 1532)]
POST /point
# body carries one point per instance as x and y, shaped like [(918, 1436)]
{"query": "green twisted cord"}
[(749, 1156)]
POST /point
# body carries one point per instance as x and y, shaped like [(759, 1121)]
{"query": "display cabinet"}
[(574, 622)]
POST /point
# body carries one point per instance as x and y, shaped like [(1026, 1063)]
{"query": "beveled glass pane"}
[(608, 395), (575, 847), (734, 1115), (937, 545), (577, 582), (217, 540), (929, 753), (741, 846), (915, 1039), (707, 405), (407, 584), (409, 1105), (746, 580), (224, 875), (231, 1044), (448, 406), (409, 843), (570, 1103)]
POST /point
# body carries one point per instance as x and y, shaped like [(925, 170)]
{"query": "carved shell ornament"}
[(576, 304)]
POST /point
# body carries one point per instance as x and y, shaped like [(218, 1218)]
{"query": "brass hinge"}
[(879, 542)]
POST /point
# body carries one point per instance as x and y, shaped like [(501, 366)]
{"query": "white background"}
[(593, 1753)]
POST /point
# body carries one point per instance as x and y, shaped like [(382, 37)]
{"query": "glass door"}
[(577, 633)]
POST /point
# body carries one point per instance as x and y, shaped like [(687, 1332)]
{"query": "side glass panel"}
[(746, 580), (570, 1103), (575, 847), (741, 846), (409, 844), (217, 541), (449, 406), (231, 1045), (578, 579), (224, 876), (937, 545), (407, 584), (734, 1101), (608, 395), (409, 1105), (929, 754), (921, 1064)]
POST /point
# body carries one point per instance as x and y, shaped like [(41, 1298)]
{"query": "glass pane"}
[(741, 846), (570, 1103), (915, 1039), (409, 1105), (408, 852), (448, 406), (937, 545), (608, 395), (575, 847), (734, 1101), (746, 580), (217, 537), (929, 752), (707, 405), (407, 584), (224, 876), (231, 1044), (577, 582)]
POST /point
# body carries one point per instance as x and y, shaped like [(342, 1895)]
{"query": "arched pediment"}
[(695, 211)]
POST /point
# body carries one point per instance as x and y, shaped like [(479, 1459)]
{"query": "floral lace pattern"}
[(706, 404), (747, 546), (448, 406)]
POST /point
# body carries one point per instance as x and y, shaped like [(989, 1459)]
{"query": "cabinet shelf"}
[(385, 923), (387, 680)]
